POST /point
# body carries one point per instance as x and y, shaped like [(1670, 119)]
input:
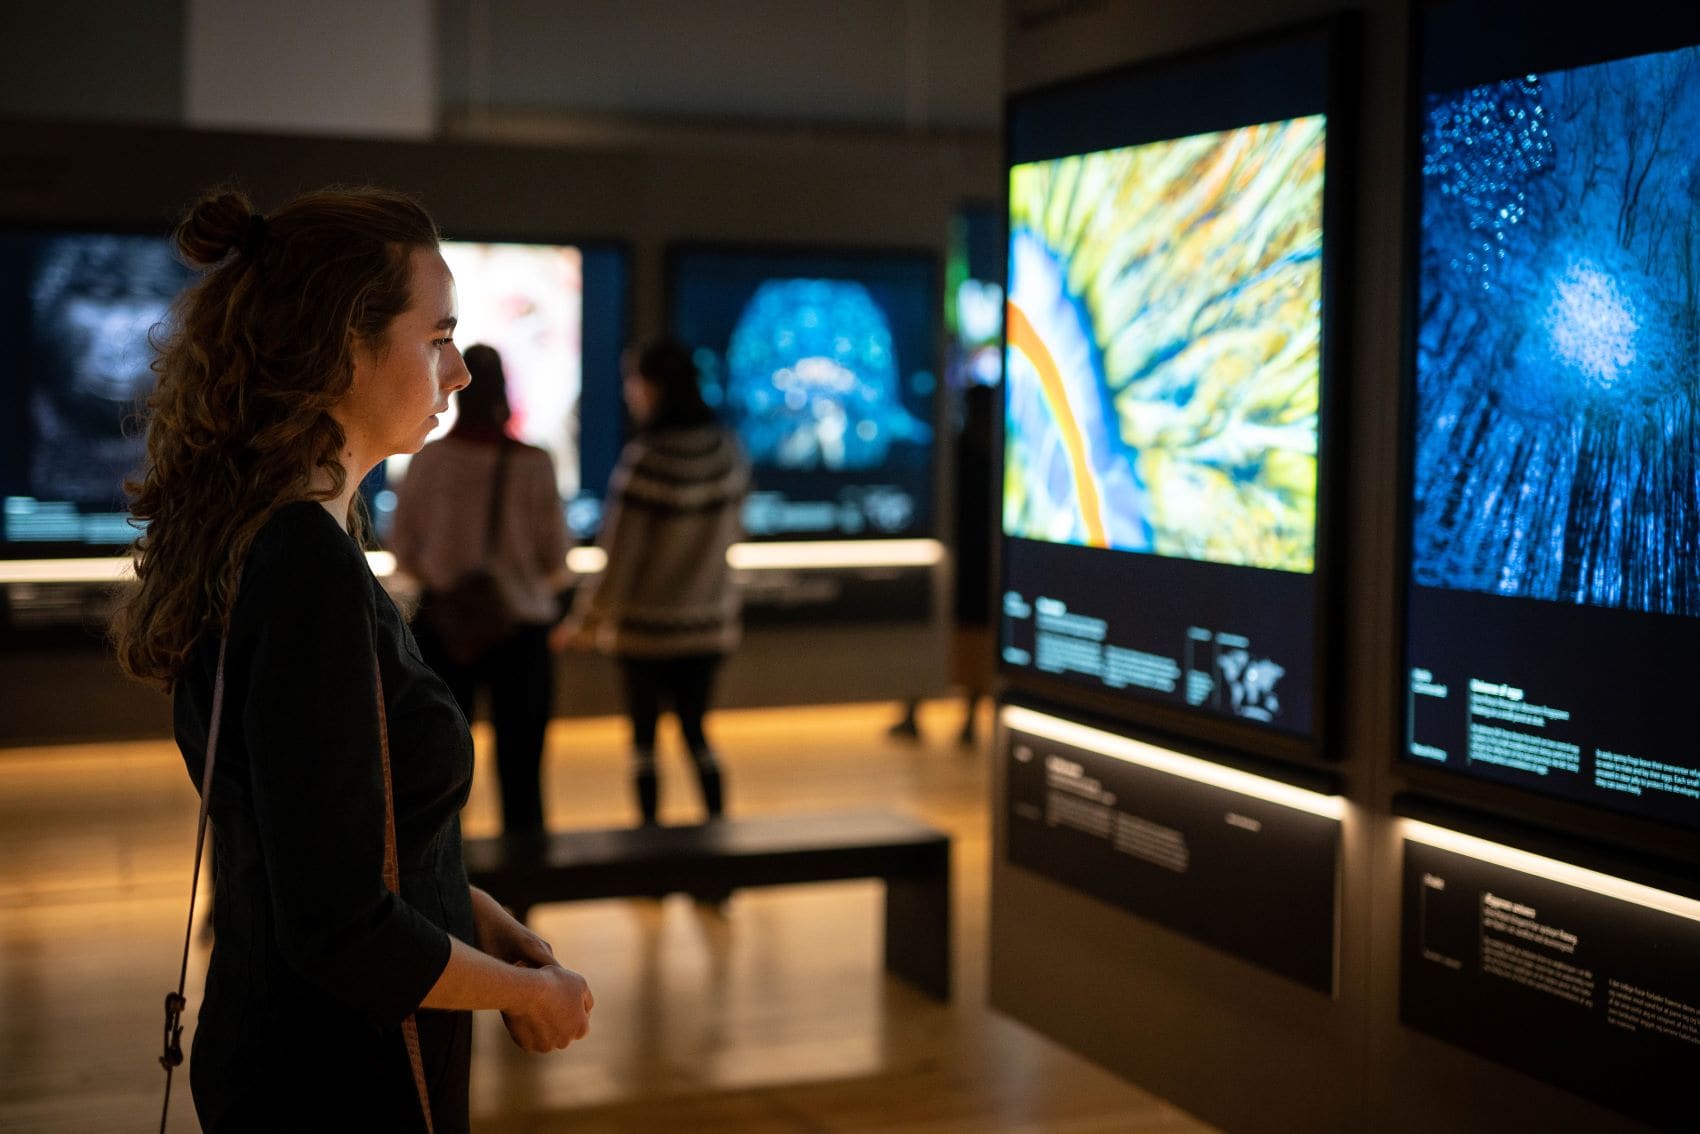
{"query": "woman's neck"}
[(354, 470)]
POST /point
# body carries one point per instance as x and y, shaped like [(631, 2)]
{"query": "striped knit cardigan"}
[(674, 507)]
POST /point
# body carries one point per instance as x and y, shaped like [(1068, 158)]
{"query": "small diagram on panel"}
[(1425, 697), (1016, 609), (1222, 672), (1441, 936)]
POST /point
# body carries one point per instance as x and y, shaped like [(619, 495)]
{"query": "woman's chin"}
[(417, 442)]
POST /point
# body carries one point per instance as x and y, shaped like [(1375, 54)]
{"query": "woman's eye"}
[(442, 342)]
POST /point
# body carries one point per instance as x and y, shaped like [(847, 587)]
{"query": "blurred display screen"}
[(556, 315), (78, 309), (974, 298), (1555, 486), (80, 306), (824, 364)]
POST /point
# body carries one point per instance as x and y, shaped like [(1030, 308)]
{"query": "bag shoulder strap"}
[(498, 479), (174, 1001), (392, 879)]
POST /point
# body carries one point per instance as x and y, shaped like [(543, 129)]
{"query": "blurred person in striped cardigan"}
[(665, 606)]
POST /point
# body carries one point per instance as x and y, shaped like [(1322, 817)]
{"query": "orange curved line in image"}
[(1024, 338)]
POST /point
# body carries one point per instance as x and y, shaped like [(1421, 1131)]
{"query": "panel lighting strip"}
[(119, 569), (837, 553), (588, 560), (1173, 763), (779, 556), (107, 569), (1551, 869)]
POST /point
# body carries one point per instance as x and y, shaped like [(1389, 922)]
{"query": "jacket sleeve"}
[(311, 726)]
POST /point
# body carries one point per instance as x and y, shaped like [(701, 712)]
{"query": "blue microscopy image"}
[(1557, 430), (813, 380)]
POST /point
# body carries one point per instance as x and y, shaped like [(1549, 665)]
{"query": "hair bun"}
[(217, 226)]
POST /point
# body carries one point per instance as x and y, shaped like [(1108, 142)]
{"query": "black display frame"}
[(1339, 38), (677, 250), (1591, 834)]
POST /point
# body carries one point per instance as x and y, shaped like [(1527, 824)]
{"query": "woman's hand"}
[(505, 937), (571, 634), (554, 1013), (545, 1008), (554, 1007)]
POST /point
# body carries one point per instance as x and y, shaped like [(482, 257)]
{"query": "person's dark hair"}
[(483, 405), (667, 365), (252, 361)]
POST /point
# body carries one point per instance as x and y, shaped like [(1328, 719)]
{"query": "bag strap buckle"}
[(172, 1056)]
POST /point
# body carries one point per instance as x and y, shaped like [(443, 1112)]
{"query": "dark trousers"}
[(520, 675), (685, 684)]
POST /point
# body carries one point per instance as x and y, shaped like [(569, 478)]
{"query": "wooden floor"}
[(770, 1016)]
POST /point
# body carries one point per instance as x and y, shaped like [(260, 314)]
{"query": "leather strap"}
[(392, 879), (175, 1002), (498, 479)]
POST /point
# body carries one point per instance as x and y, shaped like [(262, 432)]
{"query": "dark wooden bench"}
[(912, 858)]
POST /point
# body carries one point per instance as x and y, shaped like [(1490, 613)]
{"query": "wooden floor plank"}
[(769, 1014)]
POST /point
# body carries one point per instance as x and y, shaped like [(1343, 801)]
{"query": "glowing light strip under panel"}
[(588, 560), (118, 568), (1552, 869), (837, 553), (108, 569), (1173, 763)]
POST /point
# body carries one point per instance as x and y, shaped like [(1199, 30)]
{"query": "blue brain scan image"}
[(823, 362), (813, 379)]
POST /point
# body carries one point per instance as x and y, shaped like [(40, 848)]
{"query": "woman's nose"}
[(461, 378)]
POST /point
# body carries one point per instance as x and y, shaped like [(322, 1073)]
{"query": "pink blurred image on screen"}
[(526, 300)]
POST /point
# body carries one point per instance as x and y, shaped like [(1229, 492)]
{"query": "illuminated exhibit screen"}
[(556, 315), (974, 299), (1554, 598), (825, 365), (1164, 390), (77, 308)]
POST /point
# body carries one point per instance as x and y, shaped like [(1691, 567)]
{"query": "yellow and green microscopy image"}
[(1164, 362)]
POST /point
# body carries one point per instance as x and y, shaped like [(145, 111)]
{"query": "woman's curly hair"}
[(251, 363)]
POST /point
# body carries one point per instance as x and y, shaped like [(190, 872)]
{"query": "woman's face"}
[(402, 383)]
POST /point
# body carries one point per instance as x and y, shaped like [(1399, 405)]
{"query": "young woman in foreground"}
[(318, 342)]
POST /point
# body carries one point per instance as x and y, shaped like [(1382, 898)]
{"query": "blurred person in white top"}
[(441, 527)]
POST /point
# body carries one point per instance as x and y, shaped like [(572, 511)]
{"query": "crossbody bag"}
[(472, 616)]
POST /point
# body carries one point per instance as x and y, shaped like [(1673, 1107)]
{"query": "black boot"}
[(647, 785), (907, 728), (709, 781)]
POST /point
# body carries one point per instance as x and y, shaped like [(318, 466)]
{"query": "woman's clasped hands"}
[(550, 1007)]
